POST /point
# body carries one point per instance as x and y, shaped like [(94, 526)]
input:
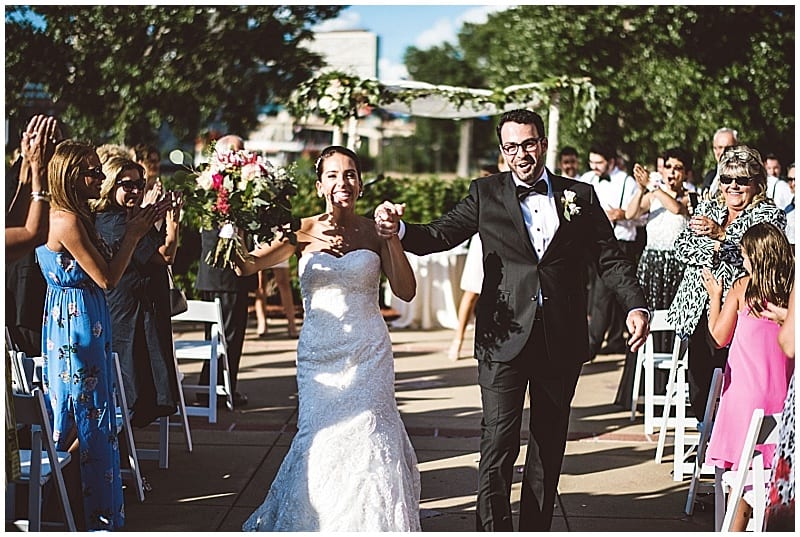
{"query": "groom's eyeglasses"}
[(528, 145)]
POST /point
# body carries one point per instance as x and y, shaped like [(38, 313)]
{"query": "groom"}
[(539, 232)]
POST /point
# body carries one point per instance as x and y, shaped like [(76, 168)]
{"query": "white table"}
[(438, 291)]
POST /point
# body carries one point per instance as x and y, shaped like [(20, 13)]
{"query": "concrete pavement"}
[(609, 481)]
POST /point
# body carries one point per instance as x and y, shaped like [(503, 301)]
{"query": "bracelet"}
[(40, 196)]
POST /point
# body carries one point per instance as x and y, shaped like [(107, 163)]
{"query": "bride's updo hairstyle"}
[(332, 150)]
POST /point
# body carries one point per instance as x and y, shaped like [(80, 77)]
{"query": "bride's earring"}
[(319, 194)]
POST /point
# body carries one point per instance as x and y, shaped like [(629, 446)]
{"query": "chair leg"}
[(670, 398), (122, 410), (226, 379), (212, 390), (163, 442), (719, 499), (187, 433), (637, 377), (35, 484), (680, 430), (649, 397)]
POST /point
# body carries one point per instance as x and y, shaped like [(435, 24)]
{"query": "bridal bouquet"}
[(243, 193)]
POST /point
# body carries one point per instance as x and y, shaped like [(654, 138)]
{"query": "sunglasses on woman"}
[(96, 172), (741, 181), (129, 186)]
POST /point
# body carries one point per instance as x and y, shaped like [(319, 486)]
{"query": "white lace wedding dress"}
[(351, 466)]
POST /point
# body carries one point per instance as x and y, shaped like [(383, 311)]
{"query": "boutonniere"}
[(570, 205)]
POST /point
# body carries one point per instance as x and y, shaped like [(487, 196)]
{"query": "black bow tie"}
[(605, 178), (540, 187)]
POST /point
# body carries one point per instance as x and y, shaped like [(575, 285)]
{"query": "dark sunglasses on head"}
[(128, 186), (741, 181), (96, 172)]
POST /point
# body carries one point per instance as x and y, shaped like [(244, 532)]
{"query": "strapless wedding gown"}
[(351, 466)]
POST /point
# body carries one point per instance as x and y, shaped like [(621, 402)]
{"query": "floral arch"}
[(340, 99)]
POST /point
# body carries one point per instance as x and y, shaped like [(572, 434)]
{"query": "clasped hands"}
[(387, 219)]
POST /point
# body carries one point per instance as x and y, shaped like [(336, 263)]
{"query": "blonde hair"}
[(109, 151), (772, 266), (743, 161), (113, 168)]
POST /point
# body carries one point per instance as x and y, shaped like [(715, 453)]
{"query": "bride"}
[(351, 466)]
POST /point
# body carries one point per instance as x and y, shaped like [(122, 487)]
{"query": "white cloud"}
[(388, 70), (347, 20), (446, 30)]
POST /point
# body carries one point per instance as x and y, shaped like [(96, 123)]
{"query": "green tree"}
[(119, 72), (439, 138), (665, 75)]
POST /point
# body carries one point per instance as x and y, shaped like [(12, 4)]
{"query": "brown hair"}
[(772, 264)]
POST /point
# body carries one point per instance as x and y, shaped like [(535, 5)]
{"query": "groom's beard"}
[(527, 173)]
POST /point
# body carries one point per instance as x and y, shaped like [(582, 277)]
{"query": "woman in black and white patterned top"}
[(712, 241)]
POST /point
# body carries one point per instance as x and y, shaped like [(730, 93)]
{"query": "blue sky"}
[(401, 26)]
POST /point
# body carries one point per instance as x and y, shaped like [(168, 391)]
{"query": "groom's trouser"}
[(503, 386)]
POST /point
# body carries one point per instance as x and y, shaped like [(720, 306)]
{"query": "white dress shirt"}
[(540, 215), (780, 191), (617, 193)]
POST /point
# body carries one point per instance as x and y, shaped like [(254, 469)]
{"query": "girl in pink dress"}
[(758, 371)]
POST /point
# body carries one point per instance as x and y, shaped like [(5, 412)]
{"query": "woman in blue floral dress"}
[(76, 333)]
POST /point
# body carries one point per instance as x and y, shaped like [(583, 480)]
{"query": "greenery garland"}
[(336, 96)]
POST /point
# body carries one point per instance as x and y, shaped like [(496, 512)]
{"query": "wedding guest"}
[(665, 203), (539, 232), (232, 291), (723, 138), (757, 372), (780, 515), (282, 279), (349, 428), (777, 188), (142, 327), (568, 162), (712, 241), (615, 189), (77, 332), (27, 223)]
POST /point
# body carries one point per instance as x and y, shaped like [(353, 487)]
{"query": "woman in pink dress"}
[(757, 372)]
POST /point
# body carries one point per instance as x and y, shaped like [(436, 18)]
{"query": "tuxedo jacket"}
[(514, 275)]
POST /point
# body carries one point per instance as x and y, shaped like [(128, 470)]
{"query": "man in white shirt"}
[(723, 138), (777, 189), (615, 189)]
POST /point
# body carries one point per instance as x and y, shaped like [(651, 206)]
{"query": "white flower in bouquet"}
[(242, 191)]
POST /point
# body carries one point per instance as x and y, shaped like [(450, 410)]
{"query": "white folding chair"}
[(162, 453), (648, 360), (39, 467), (672, 397), (747, 483), (123, 424), (213, 350), (700, 466)]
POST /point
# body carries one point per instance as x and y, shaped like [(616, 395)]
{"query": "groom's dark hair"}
[(523, 117)]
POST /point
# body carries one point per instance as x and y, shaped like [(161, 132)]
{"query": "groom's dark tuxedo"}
[(530, 328)]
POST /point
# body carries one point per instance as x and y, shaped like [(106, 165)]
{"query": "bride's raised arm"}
[(264, 257)]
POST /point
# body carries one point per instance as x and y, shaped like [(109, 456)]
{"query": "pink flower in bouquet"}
[(242, 190)]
